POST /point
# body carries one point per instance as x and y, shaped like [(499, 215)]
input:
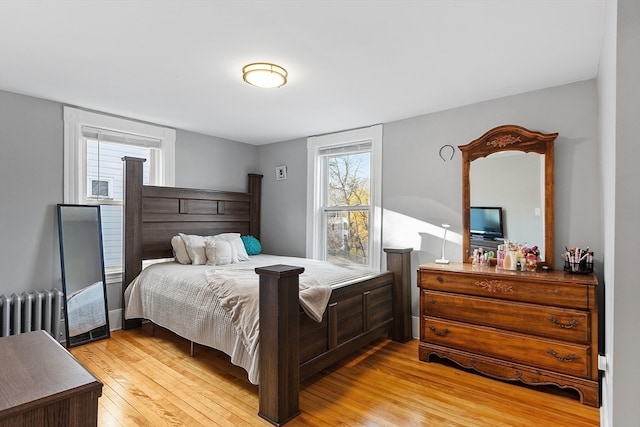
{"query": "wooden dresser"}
[(42, 384), (534, 327)]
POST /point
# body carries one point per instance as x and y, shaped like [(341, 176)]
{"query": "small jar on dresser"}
[(534, 327)]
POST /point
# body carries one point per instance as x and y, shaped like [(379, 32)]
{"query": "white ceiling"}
[(351, 63)]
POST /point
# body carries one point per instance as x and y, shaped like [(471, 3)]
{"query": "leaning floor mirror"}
[(83, 279)]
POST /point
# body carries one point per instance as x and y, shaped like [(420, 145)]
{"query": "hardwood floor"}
[(150, 380)]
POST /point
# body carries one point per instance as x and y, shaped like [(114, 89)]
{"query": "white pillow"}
[(180, 250), (240, 253), (195, 248), (218, 252)]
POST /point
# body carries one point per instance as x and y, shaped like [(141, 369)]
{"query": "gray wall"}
[(421, 191), (284, 203), (30, 187), (619, 90), (31, 184), (213, 163)]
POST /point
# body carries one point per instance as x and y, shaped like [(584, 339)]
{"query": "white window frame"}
[(163, 165), (316, 185), (162, 160)]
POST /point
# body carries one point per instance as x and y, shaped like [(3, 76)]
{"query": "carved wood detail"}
[(503, 140), (494, 286)]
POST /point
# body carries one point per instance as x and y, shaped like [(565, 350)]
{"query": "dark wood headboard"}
[(153, 215)]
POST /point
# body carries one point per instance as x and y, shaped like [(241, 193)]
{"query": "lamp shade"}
[(264, 74)]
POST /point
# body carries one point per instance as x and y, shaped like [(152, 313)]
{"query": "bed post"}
[(132, 226), (255, 191), (279, 343), (399, 262)]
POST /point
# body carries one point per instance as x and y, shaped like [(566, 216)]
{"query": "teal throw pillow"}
[(252, 245)]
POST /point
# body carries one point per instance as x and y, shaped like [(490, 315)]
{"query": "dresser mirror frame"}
[(510, 138)]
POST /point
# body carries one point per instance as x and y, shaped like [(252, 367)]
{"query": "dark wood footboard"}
[(292, 346), (357, 314)]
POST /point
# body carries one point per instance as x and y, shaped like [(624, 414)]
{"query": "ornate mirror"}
[(509, 171), (83, 280)]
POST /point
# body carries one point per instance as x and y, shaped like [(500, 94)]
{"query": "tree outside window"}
[(347, 207)]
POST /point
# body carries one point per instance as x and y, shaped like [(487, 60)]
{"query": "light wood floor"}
[(150, 380)]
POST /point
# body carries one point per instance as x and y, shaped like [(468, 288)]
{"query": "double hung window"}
[(344, 197), (93, 168)]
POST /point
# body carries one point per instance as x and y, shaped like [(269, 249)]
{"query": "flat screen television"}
[(486, 222)]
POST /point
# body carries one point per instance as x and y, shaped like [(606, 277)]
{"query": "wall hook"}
[(453, 151)]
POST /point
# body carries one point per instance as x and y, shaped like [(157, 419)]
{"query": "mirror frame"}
[(70, 341), (510, 138)]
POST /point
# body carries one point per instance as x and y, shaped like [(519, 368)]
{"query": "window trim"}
[(74, 157), (74, 150), (316, 183)]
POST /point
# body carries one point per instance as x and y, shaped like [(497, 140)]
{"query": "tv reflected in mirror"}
[(486, 222)]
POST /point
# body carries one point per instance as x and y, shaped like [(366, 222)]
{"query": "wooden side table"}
[(41, 383)]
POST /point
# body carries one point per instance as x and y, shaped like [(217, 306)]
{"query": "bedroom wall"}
[(31, 184), (209, 162), (30, 187), (421, 191), (619, 100), (284, 202)]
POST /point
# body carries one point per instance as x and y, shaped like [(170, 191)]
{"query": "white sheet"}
[(179, 298)]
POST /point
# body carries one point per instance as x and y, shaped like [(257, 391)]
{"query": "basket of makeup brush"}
[(578, 262)]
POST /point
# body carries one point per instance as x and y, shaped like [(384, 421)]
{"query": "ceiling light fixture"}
[(264, 74)]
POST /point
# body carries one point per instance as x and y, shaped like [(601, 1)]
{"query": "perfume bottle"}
[(500, 258)]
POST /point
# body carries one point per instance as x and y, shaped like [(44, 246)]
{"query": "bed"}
[(293, 346)]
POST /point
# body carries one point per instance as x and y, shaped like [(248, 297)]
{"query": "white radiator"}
[(31, 311)]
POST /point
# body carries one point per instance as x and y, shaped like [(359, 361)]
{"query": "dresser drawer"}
[(567, 358), (517, 288), (553, 322)]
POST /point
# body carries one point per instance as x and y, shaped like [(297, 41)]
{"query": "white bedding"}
[(184, 299)]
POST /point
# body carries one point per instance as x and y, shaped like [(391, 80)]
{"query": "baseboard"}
[(115, 319), (415, 326)]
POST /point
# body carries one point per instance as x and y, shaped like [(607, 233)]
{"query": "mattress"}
[(183, 299)]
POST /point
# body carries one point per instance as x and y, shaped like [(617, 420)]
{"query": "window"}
[(344, 187), (93, 168)]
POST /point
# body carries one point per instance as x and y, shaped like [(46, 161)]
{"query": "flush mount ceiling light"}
[(264, 74)]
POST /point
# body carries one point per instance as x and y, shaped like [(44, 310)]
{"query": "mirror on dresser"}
[(510, 168)]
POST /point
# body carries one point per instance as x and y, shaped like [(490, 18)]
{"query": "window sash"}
[(349, 142), (326, 192), (101, 163), (74, 122), (340, 244)]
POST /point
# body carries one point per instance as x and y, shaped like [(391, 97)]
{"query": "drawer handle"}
[(439, 279), (432, 301), (567, 358), (572, 324), (442, 333)]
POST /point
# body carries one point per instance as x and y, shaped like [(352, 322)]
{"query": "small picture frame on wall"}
[(281, 173)]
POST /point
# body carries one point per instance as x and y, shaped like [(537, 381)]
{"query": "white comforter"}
[(187, 300)]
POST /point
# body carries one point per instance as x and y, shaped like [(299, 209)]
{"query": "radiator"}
[(31, 311)]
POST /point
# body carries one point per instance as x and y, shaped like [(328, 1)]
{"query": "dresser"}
[(42, 384), (534, 327)]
